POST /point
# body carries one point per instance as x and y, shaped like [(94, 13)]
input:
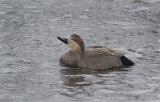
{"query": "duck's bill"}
[(63, 40)]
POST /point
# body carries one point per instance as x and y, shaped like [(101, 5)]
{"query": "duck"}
[(92, 57)]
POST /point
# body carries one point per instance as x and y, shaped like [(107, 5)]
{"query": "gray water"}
[(30, 51)]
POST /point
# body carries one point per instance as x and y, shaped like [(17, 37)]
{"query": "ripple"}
[(84, 17), (155, 77), (30, 7), (120, 23), (54, 20), (2, 20), (153, 1), (7, 70), (138, 9), (139, 92), (67, 16), (2, 13)]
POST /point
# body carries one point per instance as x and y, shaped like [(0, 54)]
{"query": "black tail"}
[(126, 62)]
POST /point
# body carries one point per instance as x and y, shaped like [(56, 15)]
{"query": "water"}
[(30, 51)]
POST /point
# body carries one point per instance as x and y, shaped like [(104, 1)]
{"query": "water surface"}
[(30, 51)]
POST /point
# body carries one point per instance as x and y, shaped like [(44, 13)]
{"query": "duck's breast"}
[(69, 59)]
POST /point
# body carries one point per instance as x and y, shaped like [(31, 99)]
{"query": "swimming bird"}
[(92, 57)]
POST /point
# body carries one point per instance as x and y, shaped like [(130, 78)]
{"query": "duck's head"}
[(74, 43)]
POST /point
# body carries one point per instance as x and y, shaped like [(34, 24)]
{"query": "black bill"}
[(63, 40)]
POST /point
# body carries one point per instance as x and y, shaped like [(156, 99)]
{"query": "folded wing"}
[(99, 51)]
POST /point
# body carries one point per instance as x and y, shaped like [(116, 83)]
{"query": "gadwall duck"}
[(92, 57)]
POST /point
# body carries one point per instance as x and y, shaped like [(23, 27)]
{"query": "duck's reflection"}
[(74, 77), (78, 82)]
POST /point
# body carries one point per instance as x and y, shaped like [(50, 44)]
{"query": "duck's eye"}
[(74, 40)]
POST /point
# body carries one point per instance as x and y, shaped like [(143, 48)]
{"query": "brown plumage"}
[(92, 57), (78, 40)]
